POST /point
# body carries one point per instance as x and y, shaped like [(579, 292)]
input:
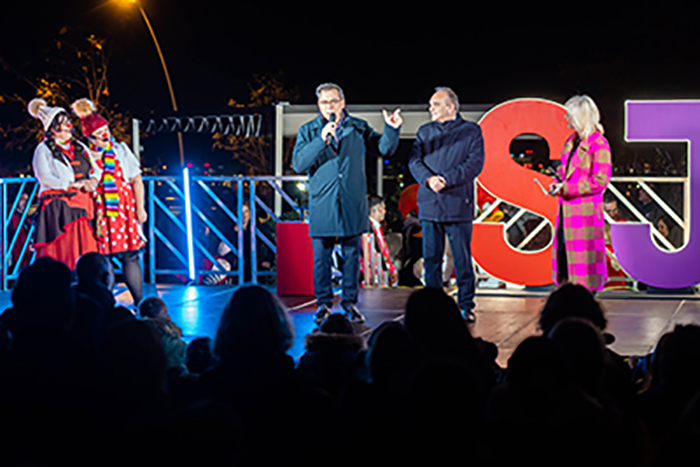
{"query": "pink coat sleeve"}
[(598, 178)]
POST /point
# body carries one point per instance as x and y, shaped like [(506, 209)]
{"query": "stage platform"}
[(504, 317)]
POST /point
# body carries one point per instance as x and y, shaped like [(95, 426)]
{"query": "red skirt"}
[(64, 226)]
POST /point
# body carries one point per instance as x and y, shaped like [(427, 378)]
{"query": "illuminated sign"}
[(646, 121), (507, 180), (677, 121)]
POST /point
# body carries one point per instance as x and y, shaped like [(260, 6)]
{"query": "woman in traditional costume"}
[(64, 222)]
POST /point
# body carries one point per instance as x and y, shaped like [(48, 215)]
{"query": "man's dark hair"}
[(451, 95), (608, 197), (329, 87), (374, 201)]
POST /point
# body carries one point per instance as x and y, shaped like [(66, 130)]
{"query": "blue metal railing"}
[(216, 205), (217, 209), (16, 195)]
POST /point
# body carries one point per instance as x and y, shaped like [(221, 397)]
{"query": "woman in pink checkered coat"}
[(586, 167)]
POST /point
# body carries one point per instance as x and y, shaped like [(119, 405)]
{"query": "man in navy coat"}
[(447, 156), (332, 148)]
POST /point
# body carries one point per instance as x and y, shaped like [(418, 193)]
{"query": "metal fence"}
[(211, 247), (661, 202), (219, 247), (638, 199), (216, 206)]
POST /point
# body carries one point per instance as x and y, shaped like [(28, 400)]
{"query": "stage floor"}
[(504, 317)]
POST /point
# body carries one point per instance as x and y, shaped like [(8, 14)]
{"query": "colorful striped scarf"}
[(111, 192)]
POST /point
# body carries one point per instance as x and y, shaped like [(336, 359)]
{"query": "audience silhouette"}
[(85, 381)]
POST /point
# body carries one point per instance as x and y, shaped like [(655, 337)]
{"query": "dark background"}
[(379, 54)]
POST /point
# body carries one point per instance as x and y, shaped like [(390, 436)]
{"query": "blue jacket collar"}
[(458, 119)]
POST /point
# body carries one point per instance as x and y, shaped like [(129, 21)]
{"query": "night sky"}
[(390, 54)]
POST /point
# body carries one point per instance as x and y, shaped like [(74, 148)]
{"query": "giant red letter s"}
[(637, 253), (507, 180)]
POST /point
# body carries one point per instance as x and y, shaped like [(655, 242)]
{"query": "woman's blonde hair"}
[(583, 115)]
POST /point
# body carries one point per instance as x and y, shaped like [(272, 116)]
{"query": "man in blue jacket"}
[(332, 148), (447, 156)]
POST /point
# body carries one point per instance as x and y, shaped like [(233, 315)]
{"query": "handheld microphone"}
[(331, 118), (554, 172)]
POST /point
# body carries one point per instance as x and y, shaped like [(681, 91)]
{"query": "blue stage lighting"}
[(188, 218)]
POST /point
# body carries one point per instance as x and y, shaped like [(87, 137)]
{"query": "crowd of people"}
[(86, 381)]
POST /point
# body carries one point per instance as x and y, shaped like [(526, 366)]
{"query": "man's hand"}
[(393, 278), (394, 120), (329, 129), (437, 183)]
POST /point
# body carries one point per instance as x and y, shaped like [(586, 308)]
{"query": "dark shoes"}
[(323, 312), (468, 316), (353, 313)]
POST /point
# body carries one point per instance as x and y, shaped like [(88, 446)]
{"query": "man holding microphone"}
[(331, 149)]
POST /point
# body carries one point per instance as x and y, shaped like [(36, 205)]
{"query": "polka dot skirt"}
[(120, 233)]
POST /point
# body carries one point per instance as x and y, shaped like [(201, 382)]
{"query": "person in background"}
[(153, 307), (669, 229), (412, 235), (612, 209), (377, 212)]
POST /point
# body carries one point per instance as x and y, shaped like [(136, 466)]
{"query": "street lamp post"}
[(165, 70)]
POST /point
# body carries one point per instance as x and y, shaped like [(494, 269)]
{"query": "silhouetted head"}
[(95, 269), (675, 358), (200, 356), (337, 323), (583, 344), (571, 300), (392, 353), (253, 322), (434, 321), (43, 294), (538, 361), (153, 307)]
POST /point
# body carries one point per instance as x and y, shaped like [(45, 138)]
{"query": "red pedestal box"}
[(295, 259)]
